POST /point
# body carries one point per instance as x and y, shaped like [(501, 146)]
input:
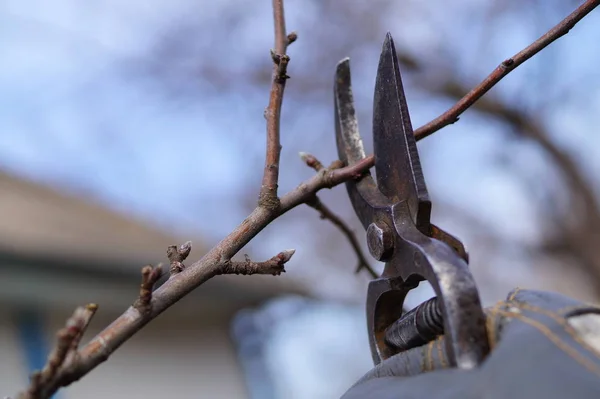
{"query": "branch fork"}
[(268, 197), (327, 214)]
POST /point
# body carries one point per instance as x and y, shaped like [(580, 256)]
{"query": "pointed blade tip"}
[(343, 65), (388, 44), (342, 72), (389, 40)]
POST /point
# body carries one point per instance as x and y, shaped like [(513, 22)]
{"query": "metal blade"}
[(349, 142), (397, 165), (363, 193)]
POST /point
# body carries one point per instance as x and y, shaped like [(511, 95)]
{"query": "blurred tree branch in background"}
[(572, 232), (570, 229)]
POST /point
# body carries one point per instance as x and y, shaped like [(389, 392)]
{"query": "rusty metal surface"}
[(426, 319), (395, 212)]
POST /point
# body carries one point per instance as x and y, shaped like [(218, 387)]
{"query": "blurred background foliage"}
[(155, 109)]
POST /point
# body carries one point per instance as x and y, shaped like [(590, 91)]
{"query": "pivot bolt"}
[(380, 241)]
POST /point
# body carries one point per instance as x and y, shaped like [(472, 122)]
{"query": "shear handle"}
[(417, 257)]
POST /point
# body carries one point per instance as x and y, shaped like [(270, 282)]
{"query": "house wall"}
[(179, 358)]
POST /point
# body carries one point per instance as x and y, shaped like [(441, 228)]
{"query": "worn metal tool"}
[(395, 212)]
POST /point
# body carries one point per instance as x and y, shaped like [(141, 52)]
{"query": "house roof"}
[(37, 220), (58, 247)]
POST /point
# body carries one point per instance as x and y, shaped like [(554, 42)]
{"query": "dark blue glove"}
[(544, 345)]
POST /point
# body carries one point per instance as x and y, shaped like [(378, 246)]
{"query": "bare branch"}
[(87, 315), (326, 213), (325, 178), (451, 116), (216, 262), (268, 193), (150, 275), (577, 231), (274, 266), (504, 69), (62, 356), (315, 203)]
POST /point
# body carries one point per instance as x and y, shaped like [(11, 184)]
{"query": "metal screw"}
[(417, 327), (380, 241)]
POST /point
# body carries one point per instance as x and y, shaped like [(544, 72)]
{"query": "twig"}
[(150, 275), (315, 203), (86, 316), (507, 66), (274, 266), (268, 193), (177, 256), (325, 178), (504, 69), (576, 236), (216, 262), (63, 355), (326, 213)]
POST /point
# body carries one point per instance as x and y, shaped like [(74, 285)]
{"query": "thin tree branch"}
[(216, 262), (64, 354), (150, 275), (87, 315), (268, 193), (504, 69), (274, 266), (578, 229), (451, 115), (327, 214)]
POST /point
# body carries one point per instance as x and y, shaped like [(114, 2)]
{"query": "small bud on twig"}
[(282, 61), (311, 161), (150, 275), (291, 37), (177, 256)]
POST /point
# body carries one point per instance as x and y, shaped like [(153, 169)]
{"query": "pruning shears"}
[(395, 211)]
